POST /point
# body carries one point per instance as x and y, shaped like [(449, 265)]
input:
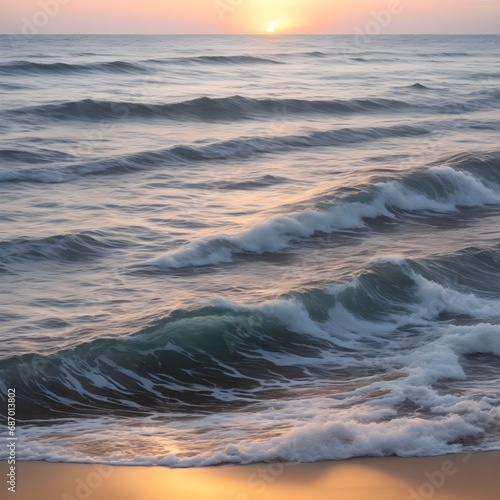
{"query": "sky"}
[(249, 16)]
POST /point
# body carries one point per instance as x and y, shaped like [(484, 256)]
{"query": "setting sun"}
[(272, 27)]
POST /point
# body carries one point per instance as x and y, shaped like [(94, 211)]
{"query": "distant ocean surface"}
[(221, 249)]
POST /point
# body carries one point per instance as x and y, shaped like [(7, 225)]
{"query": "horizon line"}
[(270, 35)]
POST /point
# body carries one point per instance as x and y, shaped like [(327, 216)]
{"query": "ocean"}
[(236, 249)]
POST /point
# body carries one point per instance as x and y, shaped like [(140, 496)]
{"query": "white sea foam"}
[(462, 190), (301, 434), (346, 424)]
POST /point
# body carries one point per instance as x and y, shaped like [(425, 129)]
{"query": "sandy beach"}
[(451, 477)]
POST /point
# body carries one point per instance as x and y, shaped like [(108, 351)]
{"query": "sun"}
[(272, 27)]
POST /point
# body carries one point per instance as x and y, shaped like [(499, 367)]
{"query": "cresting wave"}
[(60, 248), (141, 67), (9, 86), (148, 65), (419, 86), (444, 54), (206, 109), (192, 355), (34, 156), (445, 188), (237, 107), (396, 331), (220, 151), (28, 67), (235, 59), (462, 181)]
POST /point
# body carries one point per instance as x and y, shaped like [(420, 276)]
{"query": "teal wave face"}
[(235, 355)]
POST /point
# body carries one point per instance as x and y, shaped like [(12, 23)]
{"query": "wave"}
[(10, 86), (220, 151), (419, 86), (258, 183), (316, 53), (484, 96), (236, 59), (444, 54), (461, 181), (234, 108), (141, 67), (205, 108), (33, 157), (61, 248), (228, 355), (481, 76), (32, 68)]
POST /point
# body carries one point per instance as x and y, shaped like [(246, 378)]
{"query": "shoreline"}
[(448, 477)]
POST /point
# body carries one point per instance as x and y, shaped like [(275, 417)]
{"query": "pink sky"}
[(249, 16)]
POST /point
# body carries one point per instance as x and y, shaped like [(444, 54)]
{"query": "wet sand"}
[(451, 477)]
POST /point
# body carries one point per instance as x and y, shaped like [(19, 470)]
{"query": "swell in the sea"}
[(459, 182), (385, 340), (237, 107), (446, 188), (228, 150), (24, 67), (244, 351)]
